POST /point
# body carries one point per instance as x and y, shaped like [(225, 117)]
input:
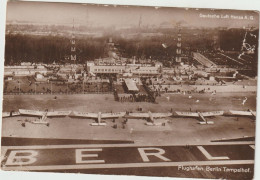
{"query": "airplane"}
[(201, 115), (151, 116), (99, 116), (43, 115), (244, 113)]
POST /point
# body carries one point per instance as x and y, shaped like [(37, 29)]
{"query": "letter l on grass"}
[(208, 156)]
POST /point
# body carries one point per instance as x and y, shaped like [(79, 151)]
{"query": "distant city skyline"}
[(124, 16)]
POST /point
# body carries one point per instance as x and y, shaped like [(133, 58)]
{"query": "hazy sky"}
[(64, 13)]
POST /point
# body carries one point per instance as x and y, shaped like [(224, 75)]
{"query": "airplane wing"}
[(158, 115), (58, 113), (113, 115), (10, 114), (5, 114), (212, 113), (242, 113), (85, 114), (188, 114), (141, 115), (31, 112)]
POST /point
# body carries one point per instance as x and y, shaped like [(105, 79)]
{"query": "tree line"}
[(47, 49)]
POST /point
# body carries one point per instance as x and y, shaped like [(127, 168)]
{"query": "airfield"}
[(180, 138), (178, 130)]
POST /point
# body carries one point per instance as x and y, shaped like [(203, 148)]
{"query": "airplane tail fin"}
[(154, 124), (206, 122), (98, 124)]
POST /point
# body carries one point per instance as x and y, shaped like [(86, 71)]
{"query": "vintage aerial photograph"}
[(129, 90)]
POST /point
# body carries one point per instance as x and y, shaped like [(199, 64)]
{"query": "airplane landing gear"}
[(23, 124), (48, 124), (115, 126)]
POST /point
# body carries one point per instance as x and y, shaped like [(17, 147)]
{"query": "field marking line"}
[(231, 58), (128, 165), (124, 145)]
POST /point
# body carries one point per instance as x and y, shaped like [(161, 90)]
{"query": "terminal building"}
[(137, 69)]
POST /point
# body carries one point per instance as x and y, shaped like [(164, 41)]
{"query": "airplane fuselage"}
[(99, 122), (99, 117), (151, 116)]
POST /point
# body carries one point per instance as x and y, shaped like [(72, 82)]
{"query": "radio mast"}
[(178, 50), (73, 56)]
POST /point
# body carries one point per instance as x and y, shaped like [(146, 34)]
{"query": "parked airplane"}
[(201, 115), (43, 115), (151, 116), (99, 116), (244, 113)]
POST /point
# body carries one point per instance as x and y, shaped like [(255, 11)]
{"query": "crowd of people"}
[(29, 87), (134, 98)]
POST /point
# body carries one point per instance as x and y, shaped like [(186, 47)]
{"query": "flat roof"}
[(131, 85), (203, 60)]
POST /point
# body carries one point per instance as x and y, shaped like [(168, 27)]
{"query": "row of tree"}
[(47, 49)]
